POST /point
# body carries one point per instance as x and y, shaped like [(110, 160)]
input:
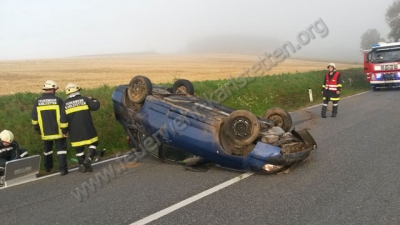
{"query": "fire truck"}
[(382, 65)]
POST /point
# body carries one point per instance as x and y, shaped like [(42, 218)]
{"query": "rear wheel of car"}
[(280, 117), (183, 86), (242, 126), (139, 88)]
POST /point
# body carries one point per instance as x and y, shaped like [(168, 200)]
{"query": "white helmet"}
[(331, 64), (48, 85), (7, 136), (71, 88)]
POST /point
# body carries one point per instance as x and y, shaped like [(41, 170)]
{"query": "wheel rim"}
[(181, 90), (241, 127), (278, 121), (137, 89)]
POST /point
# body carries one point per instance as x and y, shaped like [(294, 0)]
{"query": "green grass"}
[(289, 91)]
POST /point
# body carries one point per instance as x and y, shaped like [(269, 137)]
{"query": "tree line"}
[(392, 18)]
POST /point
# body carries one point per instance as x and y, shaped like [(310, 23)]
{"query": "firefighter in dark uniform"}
[(9, 149), (331, 90), (46, 121), (76, 120)]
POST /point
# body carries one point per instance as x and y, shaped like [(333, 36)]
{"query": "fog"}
[(50, 29)]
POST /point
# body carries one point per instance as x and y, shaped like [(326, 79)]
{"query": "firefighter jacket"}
[(11, 151), (332, 83), (46, 116), (76, 120)]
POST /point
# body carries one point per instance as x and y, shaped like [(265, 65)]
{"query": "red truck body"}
[(382, 65)]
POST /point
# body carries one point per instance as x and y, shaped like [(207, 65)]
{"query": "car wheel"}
[(280, 117), (139, 88), (182, 86), (375, 88), (242, 126)]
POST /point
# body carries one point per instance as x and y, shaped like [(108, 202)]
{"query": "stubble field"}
[(93, 71)]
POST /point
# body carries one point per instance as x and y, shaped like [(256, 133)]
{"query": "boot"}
[(323, 111), (88, 160), (62, 162), (334, 111), (48, 161), (85, 168), (63, 173), (81, 167)]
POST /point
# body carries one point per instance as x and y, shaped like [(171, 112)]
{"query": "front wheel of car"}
[(139, 88), (280, 117), (183, 86), (242, 126)]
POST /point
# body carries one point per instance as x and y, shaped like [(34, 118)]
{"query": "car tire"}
[(280, 117), (375, 88), (139, 88), (183, 86), (242, 127)]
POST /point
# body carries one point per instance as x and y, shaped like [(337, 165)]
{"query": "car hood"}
[(263, 151)]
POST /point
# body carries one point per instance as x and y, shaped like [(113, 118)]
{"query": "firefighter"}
[(77, 123), (331, 90), (9, 149), (46, 121)]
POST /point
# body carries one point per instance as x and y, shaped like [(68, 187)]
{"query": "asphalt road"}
[(352, 178)]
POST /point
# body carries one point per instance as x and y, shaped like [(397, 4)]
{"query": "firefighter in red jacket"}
[(46, 121), (76, 121), (331, 90)]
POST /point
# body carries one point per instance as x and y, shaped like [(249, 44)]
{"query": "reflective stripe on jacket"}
[(332, 83), (9, 152), (76, 120), (46, 116)]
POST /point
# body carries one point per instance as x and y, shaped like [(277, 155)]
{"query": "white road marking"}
[(192, 199)]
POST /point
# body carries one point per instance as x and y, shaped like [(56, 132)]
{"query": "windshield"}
[(386, 55)]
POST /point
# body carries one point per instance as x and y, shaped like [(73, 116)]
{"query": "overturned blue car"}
[(173, 125)]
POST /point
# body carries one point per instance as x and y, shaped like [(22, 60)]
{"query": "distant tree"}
[(369, 38), (393, 20)]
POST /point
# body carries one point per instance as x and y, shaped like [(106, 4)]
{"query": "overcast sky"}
[(49, 29)]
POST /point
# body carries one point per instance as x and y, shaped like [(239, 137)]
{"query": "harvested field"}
[(93, 71)]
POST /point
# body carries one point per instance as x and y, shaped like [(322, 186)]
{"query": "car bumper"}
[(386, 82), (289, 159)]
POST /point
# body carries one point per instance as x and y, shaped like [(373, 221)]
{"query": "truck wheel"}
[(280, 117), (183, 86), (139, 88), (242, 126), (375, 88)]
